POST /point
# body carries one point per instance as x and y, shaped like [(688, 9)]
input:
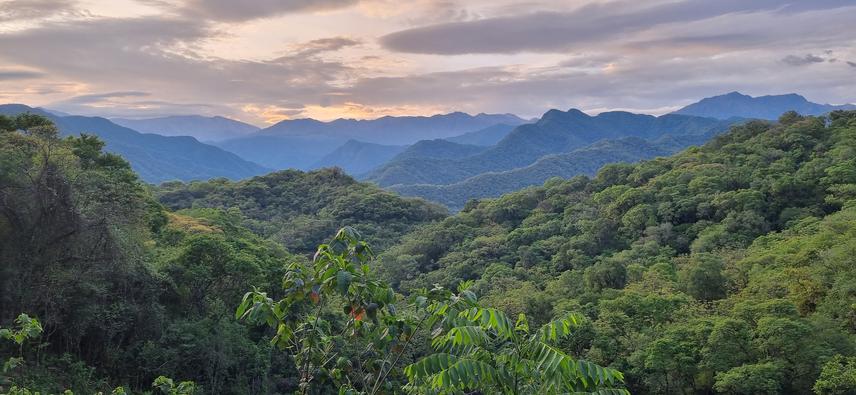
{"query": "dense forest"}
[(124, 289), (301, 210), (726, 268), (106, 290)]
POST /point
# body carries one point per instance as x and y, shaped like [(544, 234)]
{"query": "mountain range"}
[(357, 157), (204, 129), (156, 158), (770, 107), (485, 137), (447, 157), (301, 143), (556, 132), (584, 161)]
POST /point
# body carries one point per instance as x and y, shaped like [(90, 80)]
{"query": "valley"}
[(433, 197)]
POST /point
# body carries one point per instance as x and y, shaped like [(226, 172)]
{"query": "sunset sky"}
[(264, 61)]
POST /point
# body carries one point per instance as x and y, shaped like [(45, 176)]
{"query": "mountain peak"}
[(555, 113), (17, 108), (562, 117)]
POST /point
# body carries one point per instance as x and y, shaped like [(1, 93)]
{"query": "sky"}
[(263, 61)]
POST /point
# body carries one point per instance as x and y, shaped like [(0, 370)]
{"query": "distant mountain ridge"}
[(438, 149), (154, 157), (393, 130), (357, 157), (202, 128), (301, 143), (402, 152), (770, 107), (484, 137), (584, 161), (556, 132)]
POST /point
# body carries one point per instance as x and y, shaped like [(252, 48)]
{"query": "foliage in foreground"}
[(124, 290), (357, 349), (483, 349)]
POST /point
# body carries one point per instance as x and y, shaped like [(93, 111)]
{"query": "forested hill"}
[(154, 157), (123, 290), (726, 268), (584, 161), (302, 209)]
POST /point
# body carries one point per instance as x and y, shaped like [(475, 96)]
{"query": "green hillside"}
[(724, 268), (123, 290), (584, 161), (302, 209)]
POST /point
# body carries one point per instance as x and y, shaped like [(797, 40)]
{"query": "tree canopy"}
[(726, 268)]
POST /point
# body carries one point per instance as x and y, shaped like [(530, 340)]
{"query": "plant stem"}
[(383, 374)]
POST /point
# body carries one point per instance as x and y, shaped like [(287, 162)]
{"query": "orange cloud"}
[(271, 114)]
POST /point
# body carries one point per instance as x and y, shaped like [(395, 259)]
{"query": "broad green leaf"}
[(343, 281)]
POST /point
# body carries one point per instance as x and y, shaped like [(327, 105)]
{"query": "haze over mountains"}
[(485, 137), (204, 129), (357, 157), (448, 158), (155, 157), (301, 143), (584, 161), (770, 107), (556, 132)]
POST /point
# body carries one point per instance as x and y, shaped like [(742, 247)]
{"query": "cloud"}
[(146, 109), (324, 45), (851, 64), (240, 11), (101, 97), (20, 10), (715, 41), (161, 55), (619, 54), (11, 74), (563, 31), (794, 60), (645, 80)]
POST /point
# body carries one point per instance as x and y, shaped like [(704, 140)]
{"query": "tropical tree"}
[(837, 377), (482, 349), (357, 348), (27, 328), (338, 322)]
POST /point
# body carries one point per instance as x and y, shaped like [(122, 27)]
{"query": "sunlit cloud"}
[(265, 61), (360, 111)]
